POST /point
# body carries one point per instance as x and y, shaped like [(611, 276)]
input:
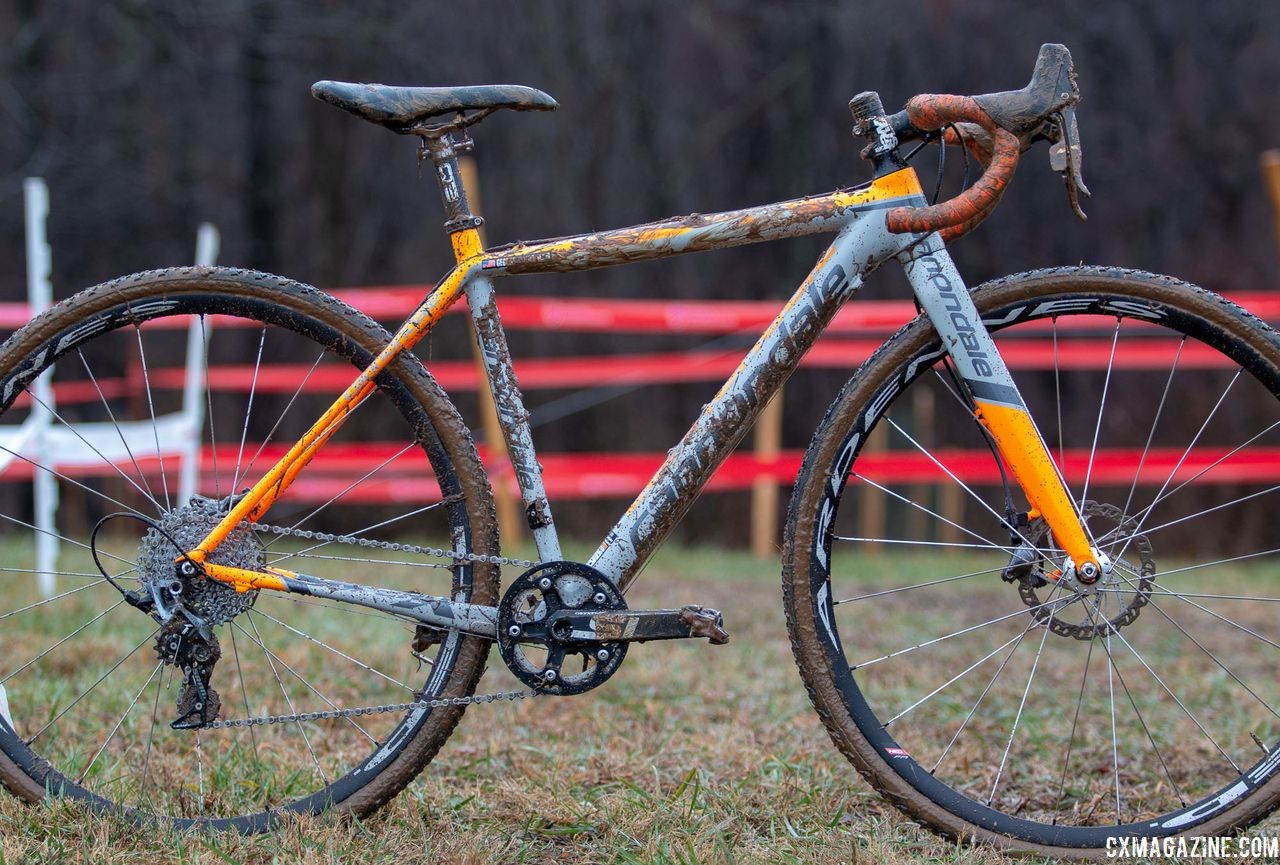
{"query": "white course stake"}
[(40, 298), (194, 384), (39, 442)]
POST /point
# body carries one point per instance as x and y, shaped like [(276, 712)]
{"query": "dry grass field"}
[(691, 754)]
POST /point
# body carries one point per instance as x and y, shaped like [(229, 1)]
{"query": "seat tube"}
[(512, 415), (998, 405), (463, 227)]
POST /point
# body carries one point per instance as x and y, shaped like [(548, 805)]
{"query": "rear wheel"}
[(950, 660), (89, 700)]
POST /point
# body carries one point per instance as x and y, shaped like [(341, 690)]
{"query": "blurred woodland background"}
[(148, 117)]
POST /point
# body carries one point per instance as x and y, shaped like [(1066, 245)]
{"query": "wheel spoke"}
[(270, 436), (90, 689), (70, 480), (120, 721), (1151, 434), (938, 690), (1180, 520), (208, 413), (1013, 732), (1216, 660), (151, 409), (989, 543), (271, 657), (337, 652), (918, 586), (1146, 512), (936, 640), (61, 642), (1172, 696), (248, 410), (357, 533), (1102, 405), (1164, 766), (119, 432), (357, 482), (1030, 626), (1075, 717), (956, 480), (244, 695)]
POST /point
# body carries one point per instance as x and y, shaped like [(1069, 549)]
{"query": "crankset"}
[(563, 627)]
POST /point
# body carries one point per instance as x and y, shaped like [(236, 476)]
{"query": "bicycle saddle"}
[(402, 108)]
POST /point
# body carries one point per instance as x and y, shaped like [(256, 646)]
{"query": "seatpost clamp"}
[(443, 151)]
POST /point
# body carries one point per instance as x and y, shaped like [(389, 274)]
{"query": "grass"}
[(692, 754)]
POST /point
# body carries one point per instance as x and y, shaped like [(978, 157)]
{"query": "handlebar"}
[(994, 127), (963, 213)]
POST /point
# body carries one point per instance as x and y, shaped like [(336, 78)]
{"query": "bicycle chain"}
[(309, 535), (433, 703), (436, 703)]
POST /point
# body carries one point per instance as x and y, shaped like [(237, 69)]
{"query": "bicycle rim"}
[(1033, 710), (89, 702)]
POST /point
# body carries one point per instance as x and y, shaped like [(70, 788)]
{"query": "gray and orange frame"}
[(886, 218)]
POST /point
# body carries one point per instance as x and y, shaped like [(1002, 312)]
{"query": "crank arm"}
[(431, 610), (639, 626)]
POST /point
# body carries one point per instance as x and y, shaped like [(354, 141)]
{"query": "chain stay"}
[(435, 703)]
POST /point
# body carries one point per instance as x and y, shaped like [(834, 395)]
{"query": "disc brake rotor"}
[(1119, 595)]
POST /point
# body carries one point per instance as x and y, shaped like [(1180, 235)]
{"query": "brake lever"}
[(1066, 155)]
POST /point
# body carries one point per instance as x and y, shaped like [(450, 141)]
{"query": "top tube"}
[(702, 232)]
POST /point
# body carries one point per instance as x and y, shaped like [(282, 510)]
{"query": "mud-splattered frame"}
[(862, 242)]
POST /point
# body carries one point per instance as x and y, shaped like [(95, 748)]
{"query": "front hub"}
[(1088, 602)]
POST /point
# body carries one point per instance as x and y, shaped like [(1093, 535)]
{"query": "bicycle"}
[(291, 692)]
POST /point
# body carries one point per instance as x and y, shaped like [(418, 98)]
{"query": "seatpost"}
[(460, 222)]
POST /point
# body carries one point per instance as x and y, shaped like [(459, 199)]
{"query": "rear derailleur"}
[(185, 641), (188, 643)]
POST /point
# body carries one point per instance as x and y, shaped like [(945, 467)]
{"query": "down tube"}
[(858, 249)]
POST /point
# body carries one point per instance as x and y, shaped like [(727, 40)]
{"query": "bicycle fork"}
[(997, 404)]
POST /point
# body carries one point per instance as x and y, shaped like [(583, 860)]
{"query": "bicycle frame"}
[(862, 243)]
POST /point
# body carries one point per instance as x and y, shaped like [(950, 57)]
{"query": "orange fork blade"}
[(1024, 450), (268, 489)]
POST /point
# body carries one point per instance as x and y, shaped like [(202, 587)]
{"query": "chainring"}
[(536, 652)]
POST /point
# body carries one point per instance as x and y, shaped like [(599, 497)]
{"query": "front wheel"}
[(978, 690)]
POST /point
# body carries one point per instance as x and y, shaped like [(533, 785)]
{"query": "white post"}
[(193, 386), (40, 298)]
